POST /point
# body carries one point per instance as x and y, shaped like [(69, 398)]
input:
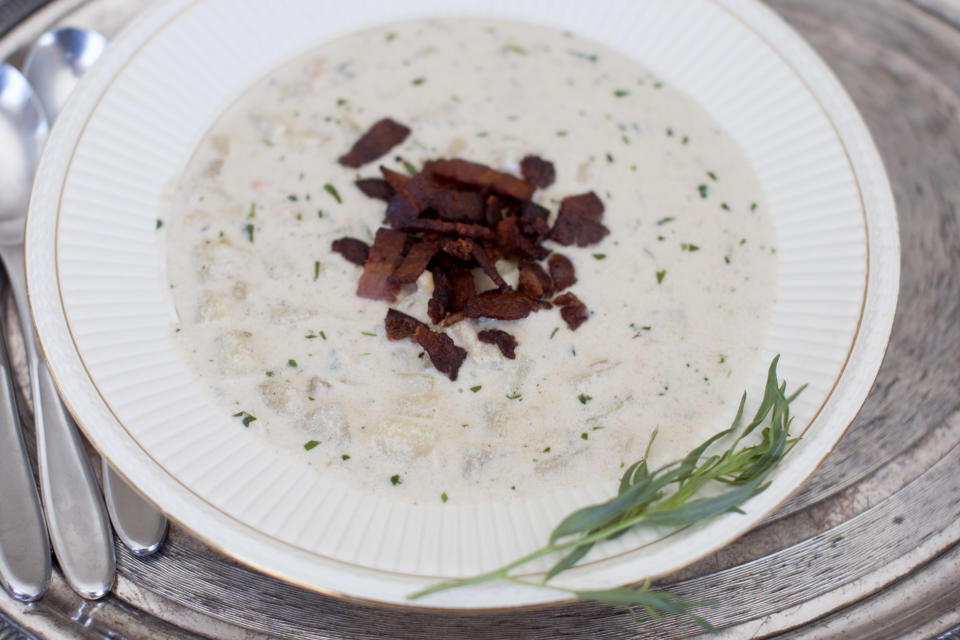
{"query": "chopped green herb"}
[(345, 456), (292, 197), (610, 158), (299, 216), (688, 247), (391, 36), (319, 213), (661, 238), (561, 133), (249, 230), (663, 221), (589, 57), (395, 479), (584, 436), (476, 388), (482, 134), (703, 190), (669, 132), (753, 206), (341, 102), (269, 374), (515, 396), (743, 241), (310, 335), (159, 223), (712, 175), (323, 335), (291, 362), (332, 190), (253, 210), (368, 333), (725, 206), (554, 332), (418, 81), (621, 93), (599, 256), (685, 140), (726, 259), (584, 398), (660, 275), (310, 444), (657, 85), (245, 418), (443, 497), (546, 450), (625, 139), (412, 170)]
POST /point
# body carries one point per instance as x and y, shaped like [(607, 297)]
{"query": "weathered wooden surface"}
[(868, 548)]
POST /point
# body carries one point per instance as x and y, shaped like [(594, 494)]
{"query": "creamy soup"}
[(679, 292)]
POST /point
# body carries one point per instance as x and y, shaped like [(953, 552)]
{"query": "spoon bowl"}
[(23, 131), (57, 61)]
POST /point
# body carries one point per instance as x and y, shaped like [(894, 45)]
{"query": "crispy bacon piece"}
[(481, 176), (534, 281), (445, 355), (561, 271), (399, 325), (395, 179), (464, 288), (486, 263), (379, 139), (416, 261), (502, 305), (579, 221), (376, 188), (504, 341), (385, 254), (458, 206), (573, 312), (401, 211), (511, 242), (442, 298), (537, 171), (461, 248), (447, 228), (533, 220), (355, 251)]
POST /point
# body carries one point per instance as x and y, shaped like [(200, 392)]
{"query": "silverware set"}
[(71, 514)]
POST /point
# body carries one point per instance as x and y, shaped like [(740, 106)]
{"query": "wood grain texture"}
[(879, 515)]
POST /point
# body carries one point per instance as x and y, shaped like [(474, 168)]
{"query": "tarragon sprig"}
[(669, 496)]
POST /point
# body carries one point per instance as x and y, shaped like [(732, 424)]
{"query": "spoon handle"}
[(76, 517), (138, 523), (24, 548)]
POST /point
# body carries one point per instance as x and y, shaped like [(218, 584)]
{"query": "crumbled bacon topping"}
[(504, 341), (378, 140), (456, 218)]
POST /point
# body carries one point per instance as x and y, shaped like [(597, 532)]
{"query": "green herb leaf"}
[(443, 497), (245, 418), (249, 230), (663, 221), (316, 270), (310, 444), (395, 479), (418, 81), (599, 256), (476, 388), (660, 275), (332, 190), (584, 398), (291, 362), (159, 223)]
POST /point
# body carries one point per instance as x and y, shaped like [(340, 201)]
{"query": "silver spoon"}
[(53, 68), (24, 548)]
